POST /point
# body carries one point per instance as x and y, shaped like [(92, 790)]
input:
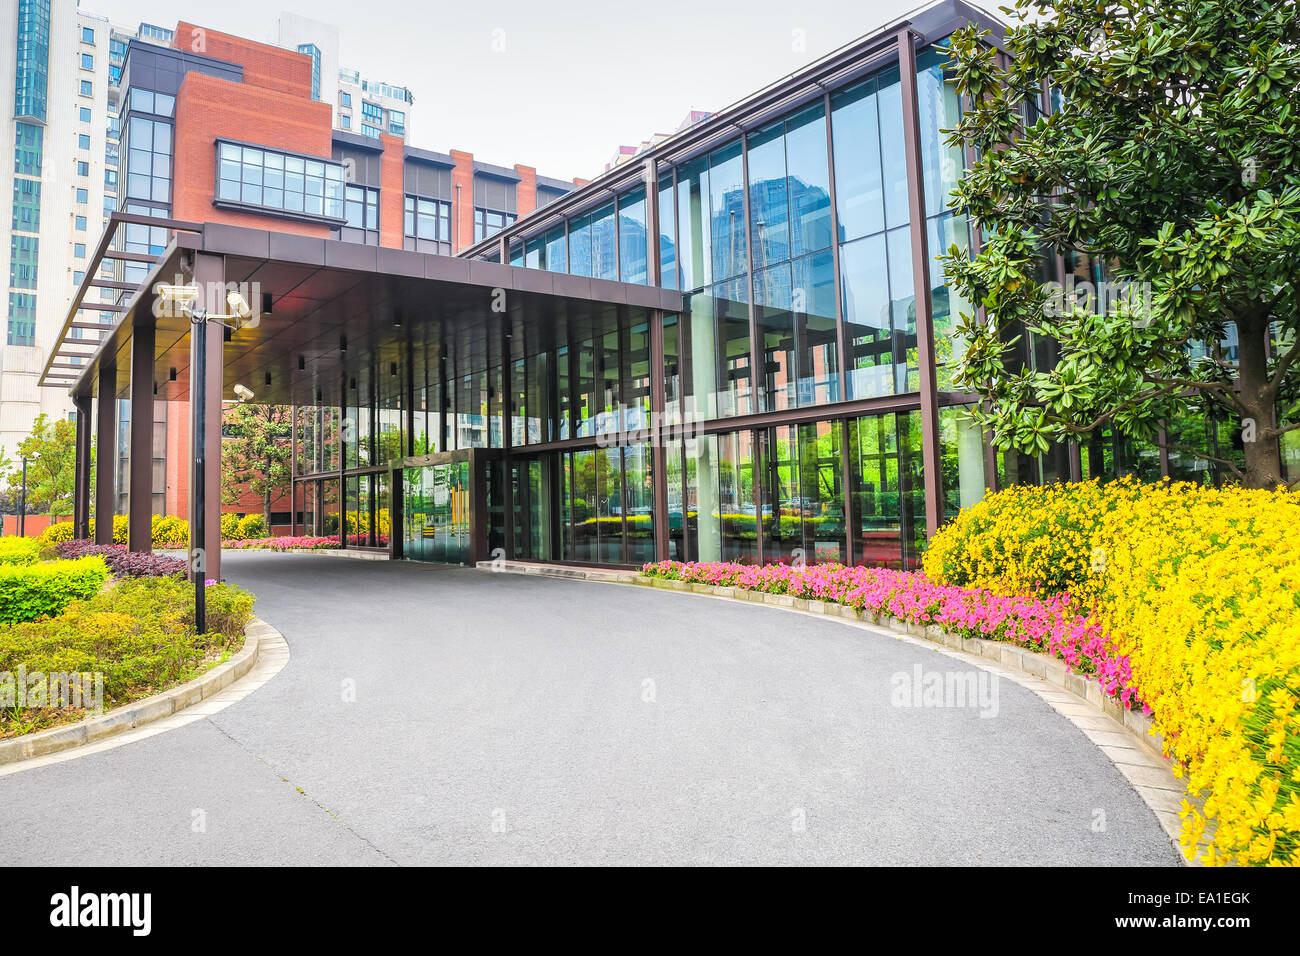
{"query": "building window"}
[(79, 250), (83, 141), (22, 319), (28, 139), (345, 99), (148, 159), (83, 114), (33, 58), (345, 122), (281, 182), (147, 101), (110, 178), (488, 222), (87, 61), (361, 210), (87, 88), (397, 122), (77, 276), (87, 35), (83, 196), (23, 257), (313, 51), (372, 111), (150, 32), (79, 223), (427, 225), (27, 205), (373, 132)]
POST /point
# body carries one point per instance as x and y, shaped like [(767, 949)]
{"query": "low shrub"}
[(32, 591), (124, 563), (119, 529), (1200, 589), (252, 526), (229, 527), (138, 635), (19, 550), (169, 531), (56, 532)]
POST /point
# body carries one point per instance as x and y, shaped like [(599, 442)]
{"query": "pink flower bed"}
[(282, 544), (1039, 622)]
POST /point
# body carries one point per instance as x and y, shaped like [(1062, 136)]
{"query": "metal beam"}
[(81, 473), (930, 450), (140, 461), (106, 445)]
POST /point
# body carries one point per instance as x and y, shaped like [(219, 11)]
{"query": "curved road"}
[(433, 715)]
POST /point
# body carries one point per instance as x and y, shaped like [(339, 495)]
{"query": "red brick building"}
[(211, 97)]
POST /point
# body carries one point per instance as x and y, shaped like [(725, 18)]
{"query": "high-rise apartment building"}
[(56, 127)]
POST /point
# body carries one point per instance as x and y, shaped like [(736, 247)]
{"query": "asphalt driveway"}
[(433, 715)]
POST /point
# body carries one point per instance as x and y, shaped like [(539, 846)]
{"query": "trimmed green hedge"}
[(138, 634), (19, 550), (29, 592)]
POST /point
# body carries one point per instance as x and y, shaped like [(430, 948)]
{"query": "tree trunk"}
[(1260, 438)]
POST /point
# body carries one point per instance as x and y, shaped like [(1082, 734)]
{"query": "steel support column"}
[(106, 445), (205, 416), (140, 447), (81, 473), (930, 452)]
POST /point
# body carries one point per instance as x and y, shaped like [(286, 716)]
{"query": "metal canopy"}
[(388, 306)]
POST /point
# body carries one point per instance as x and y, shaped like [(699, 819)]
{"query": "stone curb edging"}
[(1149, 775), (141, 712)]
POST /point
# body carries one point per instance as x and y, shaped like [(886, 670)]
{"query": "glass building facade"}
[(800, 405)]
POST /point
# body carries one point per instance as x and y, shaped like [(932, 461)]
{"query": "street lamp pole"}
[(184, 299)]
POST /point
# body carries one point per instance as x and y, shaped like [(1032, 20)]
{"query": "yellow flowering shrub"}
[(1200, 588)]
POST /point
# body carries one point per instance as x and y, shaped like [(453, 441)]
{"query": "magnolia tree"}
[(1174, 157)]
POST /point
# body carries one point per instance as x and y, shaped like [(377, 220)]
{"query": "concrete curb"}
[(1125, 737), (141, 712)]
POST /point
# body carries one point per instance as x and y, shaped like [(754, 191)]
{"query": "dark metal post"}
[(105, 429), (22, 503), (198, 470), (930, 451), (81, 485), (140, 455)]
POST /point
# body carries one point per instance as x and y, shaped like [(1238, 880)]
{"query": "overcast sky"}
[(571, 81)]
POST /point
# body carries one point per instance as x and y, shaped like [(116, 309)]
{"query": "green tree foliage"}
[(51, 469), (256, 453), (1174, 158)]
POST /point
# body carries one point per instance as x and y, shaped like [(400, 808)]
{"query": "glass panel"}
[(604, 244), (632, 236), (768, 207), (727, 208), (859, 188), (809, 185), (961, 447), (887, 483), (694, 230), (667, 233)]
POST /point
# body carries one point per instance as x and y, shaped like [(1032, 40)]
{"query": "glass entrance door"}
[(436, 512)]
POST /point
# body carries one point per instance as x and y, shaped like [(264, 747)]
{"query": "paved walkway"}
[(436, 715)]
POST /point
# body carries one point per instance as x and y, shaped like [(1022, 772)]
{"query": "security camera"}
[(242, 392), (237, 305), (177, 294)]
